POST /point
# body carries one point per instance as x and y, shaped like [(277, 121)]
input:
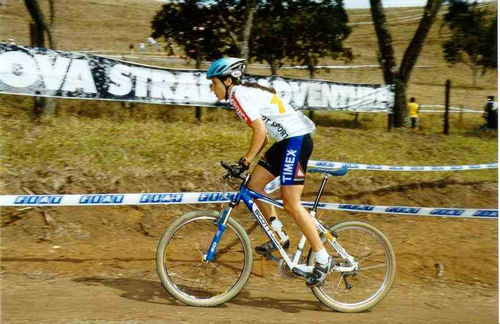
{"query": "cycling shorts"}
[(288, 159)]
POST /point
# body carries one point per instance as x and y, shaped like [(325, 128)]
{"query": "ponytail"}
[(250, 84), (258, 86)]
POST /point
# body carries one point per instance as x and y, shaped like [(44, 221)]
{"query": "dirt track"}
[(100, 266)]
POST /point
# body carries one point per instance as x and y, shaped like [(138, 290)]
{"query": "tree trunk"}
[(42, 106), (386, 52), (247, 29), (274, 67), (400, 110), (399, 78), (474, 69)]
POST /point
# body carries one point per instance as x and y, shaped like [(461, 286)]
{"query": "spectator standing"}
[(413, 109), (142, 47), (491, 113)]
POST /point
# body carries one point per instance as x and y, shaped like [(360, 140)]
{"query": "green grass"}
[(98, 144), (178, 149)]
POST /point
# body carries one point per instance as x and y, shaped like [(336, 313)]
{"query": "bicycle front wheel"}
[(365, 287), (180, 265)]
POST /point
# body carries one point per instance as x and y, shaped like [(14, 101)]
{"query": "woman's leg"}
[(259, 179), (291, 203)]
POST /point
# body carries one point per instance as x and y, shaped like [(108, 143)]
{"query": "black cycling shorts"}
[(288, 159)]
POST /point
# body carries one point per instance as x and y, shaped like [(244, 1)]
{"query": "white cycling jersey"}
[(281, 120)]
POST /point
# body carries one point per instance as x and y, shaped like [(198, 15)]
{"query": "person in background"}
[(413, 109), (491, 113)]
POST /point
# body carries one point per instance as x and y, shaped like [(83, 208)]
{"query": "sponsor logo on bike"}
[(102, 199), (216, 196), (486, 213), (160, 198), (357, 207), (447, 212), (41, 200), (403, 210), (263, 222)]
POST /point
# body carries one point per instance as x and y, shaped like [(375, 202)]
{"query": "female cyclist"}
[(267, 115)]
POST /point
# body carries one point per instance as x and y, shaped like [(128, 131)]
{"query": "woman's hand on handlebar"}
[(235, 170)]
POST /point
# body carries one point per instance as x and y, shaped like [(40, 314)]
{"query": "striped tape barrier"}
[(275, 184), (380, 167), (174, 198)]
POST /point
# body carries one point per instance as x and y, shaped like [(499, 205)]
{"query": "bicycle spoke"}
[(366, 286), (201, 282), (373, 267)]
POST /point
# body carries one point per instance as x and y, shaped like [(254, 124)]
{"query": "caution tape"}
[(174, 198), (275, 184), (380, 167)]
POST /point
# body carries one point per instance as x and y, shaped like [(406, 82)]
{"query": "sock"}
[(279, 232), (321, 256)]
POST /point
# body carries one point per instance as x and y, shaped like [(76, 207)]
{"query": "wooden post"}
[(198, 113), (389, 122), (447, 107), (37, 40)]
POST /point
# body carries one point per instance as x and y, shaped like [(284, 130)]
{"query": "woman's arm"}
[(259, 139)]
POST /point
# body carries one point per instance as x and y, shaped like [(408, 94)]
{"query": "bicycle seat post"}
[(320, 193)]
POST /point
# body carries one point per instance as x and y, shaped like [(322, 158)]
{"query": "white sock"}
[(321, 256)]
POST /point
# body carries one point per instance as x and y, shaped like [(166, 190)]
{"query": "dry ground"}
[(99, 267)]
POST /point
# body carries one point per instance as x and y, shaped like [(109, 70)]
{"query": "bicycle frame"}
[(248, 197)]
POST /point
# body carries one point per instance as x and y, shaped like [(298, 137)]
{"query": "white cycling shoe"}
[(319, 273)]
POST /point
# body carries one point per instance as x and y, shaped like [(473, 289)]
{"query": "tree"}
[(489, 46), (392, 75), (193, 26), (207, 29), (317, 30), (42, 105), (40, 21), (270, 36), (239, 29), (473, 39)]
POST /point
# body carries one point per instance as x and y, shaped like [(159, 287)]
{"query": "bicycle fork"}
[(221, 227)]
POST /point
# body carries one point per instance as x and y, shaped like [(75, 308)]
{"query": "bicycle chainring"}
[(285, 271)]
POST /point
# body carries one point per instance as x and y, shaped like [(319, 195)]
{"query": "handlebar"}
[(230, 173)]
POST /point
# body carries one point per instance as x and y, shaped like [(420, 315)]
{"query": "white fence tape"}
[(452, 109), (380, 167), (175, 198), (327, 165)]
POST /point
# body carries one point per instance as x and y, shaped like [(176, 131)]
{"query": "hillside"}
[(98, 265), (88, 25)]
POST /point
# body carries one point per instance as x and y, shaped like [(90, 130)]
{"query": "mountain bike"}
[(204, 258)]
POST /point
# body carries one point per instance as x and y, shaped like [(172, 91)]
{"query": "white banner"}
[(48, 73)]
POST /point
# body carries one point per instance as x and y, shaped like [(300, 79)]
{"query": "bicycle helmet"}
[(226, 66)]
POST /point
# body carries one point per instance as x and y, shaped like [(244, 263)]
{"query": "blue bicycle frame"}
[(249, 196)]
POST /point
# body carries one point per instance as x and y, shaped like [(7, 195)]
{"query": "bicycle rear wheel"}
[(364, 288), (180, 265)]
